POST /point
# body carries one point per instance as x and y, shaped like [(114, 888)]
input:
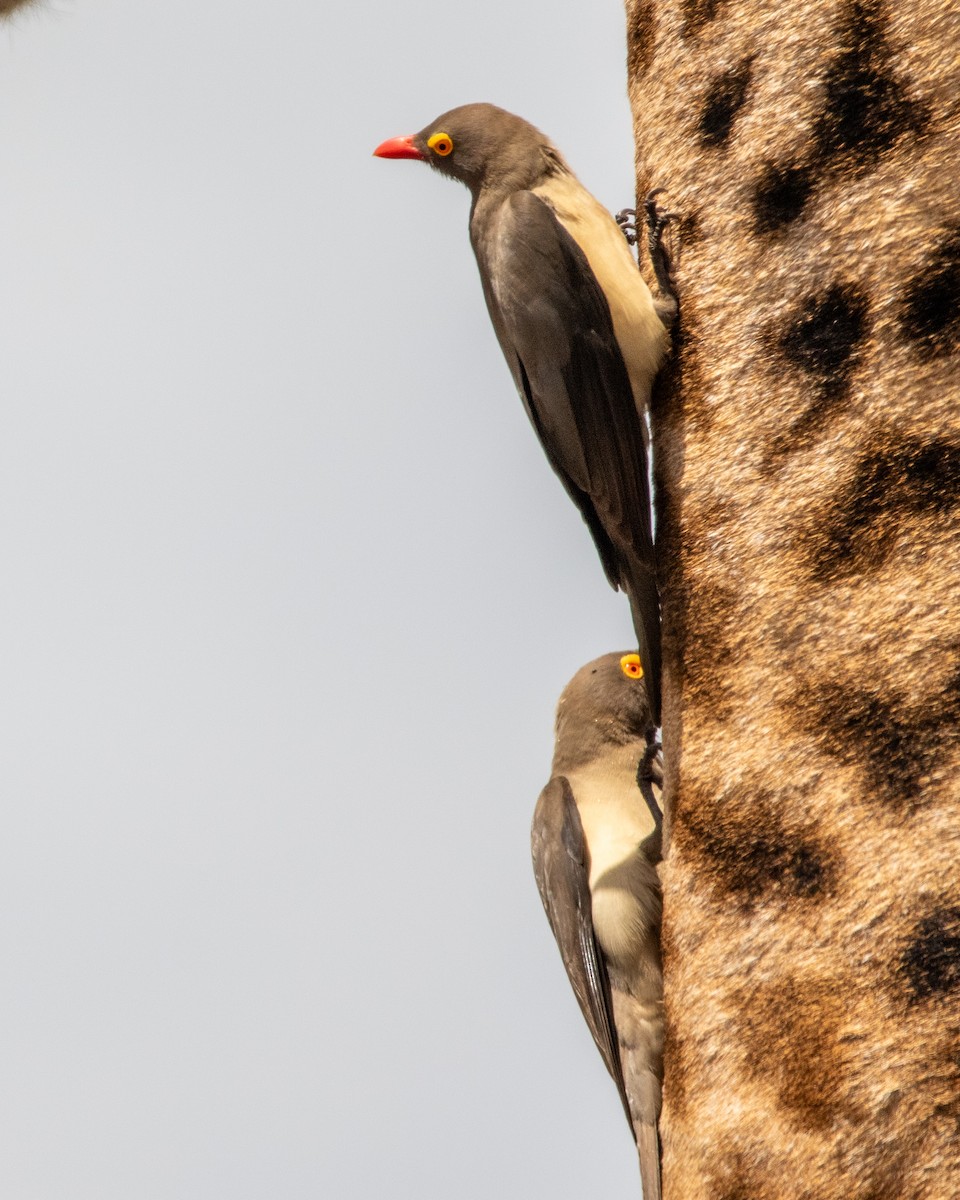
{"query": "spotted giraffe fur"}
[(808, 474)]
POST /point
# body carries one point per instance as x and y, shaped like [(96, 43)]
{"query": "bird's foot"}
[(626, 218), (657, 221)]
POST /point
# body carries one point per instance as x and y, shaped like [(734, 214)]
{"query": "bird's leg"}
[(626, 218), (665, 299), (650, 772)]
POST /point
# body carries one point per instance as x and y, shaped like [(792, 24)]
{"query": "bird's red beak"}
[(398, 147)]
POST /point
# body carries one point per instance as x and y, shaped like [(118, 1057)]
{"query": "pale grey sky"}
[(288, 594)]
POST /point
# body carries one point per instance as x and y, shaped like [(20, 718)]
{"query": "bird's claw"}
[(626, 218), (657, 222)]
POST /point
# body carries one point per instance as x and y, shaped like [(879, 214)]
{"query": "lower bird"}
[(596, 841), (582, 333)]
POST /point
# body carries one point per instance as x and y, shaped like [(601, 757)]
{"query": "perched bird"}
[(581, 332), (596, 844)]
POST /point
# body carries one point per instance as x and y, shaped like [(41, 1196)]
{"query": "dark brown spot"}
[(791, 1032), (725, 97), (823, 337), (866, 111), (736, 1184), (930, 310), (872, 732), (689, 230), (640, 40), (931, 963), (857, 532), (887, 1182), (866, 108), (781, 195), (895, 747), (824, 341), (748, 852), (739, 1172), (697, 14)]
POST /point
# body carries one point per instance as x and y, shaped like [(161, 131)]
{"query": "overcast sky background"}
[(288, 595)]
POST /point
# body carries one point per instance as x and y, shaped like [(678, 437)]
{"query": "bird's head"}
[(481, 145), (605, 703)]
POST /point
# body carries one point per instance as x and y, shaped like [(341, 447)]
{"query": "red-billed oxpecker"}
[(596, 845), (580, 330)]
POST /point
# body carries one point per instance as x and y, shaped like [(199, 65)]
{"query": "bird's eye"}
[(441, 143), (630, 666)]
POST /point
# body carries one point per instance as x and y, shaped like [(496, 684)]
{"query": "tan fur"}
[(808, 460)]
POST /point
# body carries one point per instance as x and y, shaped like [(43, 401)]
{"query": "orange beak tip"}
[(398, 147)]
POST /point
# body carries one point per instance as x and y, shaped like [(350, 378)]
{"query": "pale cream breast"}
[(615, 821), (640, 333)]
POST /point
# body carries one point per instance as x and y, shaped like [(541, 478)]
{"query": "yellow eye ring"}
[(441, 143), (630, 666)]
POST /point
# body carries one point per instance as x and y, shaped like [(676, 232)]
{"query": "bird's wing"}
[(561, 867), (553, 319), (554, 325)]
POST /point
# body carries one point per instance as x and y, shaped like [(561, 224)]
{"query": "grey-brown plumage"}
[(596, 844), (577, 324)]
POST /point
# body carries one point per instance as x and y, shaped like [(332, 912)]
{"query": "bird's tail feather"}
[(648, 1146)]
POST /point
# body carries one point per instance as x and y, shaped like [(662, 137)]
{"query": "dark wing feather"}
[(554, 326), (561, 867)]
